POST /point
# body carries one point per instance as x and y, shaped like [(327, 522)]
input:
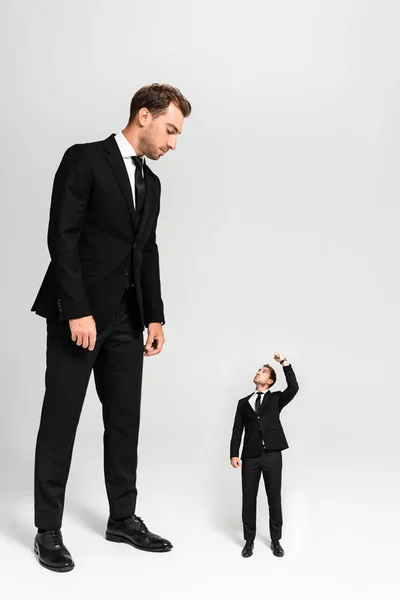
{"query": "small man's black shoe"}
[(276, 548), (248, 549)]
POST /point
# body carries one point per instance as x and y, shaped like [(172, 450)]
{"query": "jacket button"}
[(258, 417), (125, 271)]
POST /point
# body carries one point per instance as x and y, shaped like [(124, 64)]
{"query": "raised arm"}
[(292, 386)]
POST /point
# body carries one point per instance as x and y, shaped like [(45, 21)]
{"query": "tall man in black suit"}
[(101, 289), (258, 415)]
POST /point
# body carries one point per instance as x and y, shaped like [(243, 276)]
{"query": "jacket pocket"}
[(92, 268)]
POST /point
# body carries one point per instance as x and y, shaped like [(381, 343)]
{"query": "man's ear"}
[(270, 382), (144, 116)]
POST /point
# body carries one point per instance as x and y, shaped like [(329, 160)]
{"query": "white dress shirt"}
[(253, 398), (127, 152)]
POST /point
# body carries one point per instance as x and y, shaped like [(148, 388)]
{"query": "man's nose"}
[(172, 144)]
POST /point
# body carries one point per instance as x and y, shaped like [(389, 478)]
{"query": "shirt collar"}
[(124, 146)]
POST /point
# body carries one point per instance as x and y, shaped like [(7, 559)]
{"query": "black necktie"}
[(258, 401), (140, 189)]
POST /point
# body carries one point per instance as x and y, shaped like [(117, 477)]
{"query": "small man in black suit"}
[(258, 415)]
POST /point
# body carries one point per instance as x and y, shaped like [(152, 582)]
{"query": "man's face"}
[(159, 134), (263, 377)]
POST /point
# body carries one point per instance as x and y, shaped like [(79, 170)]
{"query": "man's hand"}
[(278, 356), (83, 332), (236, 462), (155, 339)]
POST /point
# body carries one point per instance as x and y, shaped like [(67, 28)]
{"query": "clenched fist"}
[(155, 339), (278, 356), (83, 332)]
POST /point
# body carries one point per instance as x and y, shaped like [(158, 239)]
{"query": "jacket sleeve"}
[(237, 432), (69, 202), (150, 279), (292, 387)]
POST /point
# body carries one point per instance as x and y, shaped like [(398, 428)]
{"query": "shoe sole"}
[(55, 569), (110, 537), (248, 556)]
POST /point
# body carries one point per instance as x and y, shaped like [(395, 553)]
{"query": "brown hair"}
[(272, 374), (156, 98)]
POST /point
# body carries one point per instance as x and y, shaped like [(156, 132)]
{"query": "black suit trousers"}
[(117, 363), (269, 463)]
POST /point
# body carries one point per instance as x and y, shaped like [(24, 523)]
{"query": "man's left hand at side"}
[(155, 339)]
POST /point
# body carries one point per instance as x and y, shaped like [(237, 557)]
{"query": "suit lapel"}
[(246, 401), (113, 155), (264, 403)]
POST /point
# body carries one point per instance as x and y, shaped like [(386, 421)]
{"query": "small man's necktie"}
[(258, 401)]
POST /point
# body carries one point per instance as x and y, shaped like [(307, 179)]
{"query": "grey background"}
[(278, 232)]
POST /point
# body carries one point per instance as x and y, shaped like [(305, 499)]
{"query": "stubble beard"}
[(148, 147)]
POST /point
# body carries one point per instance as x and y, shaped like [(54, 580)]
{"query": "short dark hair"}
[(156, 98), (272, 374)]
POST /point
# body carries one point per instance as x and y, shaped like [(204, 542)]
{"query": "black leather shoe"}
[(248, 549), (277, 548), (133, 531), (51, 552)]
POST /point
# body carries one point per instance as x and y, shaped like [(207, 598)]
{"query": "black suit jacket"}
[(96, 240), (266, 424)]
